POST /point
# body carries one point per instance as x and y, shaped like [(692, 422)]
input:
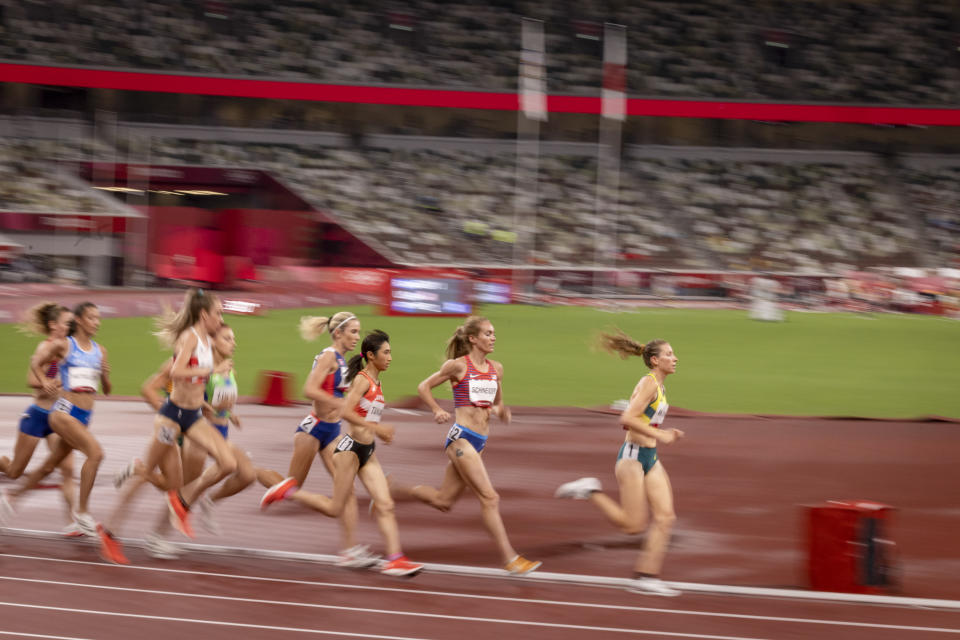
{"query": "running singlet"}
[(656, 411), (477, 388), (371, 404), (80, 370), (335, 383), (222, 393), (202, 357)]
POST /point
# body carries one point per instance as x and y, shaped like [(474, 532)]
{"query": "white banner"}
[(533, 71), (614, 93)]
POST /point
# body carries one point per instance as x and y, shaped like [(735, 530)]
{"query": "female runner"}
[(354, 455), (52, 321), (83, 370), (640, 474), (190, 333), (319, 432), (477, 392)]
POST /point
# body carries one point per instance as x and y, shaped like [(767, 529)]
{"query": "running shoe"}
[(652, 587), (179, 514), (157, 547), (86, 523), (110, 548), (578, 489), (72, 530), (520, 566), (207, 515), (120, 477), (357, 557), (401, 567), (7, 512), (280, 491)]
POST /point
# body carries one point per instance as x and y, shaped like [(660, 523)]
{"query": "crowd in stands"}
[(459, 206), (862, 51), (29, 184), (434, 206)]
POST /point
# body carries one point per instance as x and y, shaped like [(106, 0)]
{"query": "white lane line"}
[(560, 603), (557, 578), (21, 634), (646, 632)]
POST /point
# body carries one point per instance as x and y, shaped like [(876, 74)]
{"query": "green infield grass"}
[(813, 364)]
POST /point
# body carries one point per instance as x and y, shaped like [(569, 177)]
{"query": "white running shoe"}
[(157, 547), (357, 557), (207, 515), (72, 530), (120, 477), (7, 513), (652, 587), (86, 523), (578, 489)]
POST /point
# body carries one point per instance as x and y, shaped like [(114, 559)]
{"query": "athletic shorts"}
[(460, 432), (325, 432), (363, 451), (185, 418), (646, 456), (35, 422), (80, 415)]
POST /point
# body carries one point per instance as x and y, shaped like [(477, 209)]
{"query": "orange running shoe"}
[(520, 566), (179, 515), (110, 548), (283, 489), (401, 567)]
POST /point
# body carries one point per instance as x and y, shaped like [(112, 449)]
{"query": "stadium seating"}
[(899, 51)]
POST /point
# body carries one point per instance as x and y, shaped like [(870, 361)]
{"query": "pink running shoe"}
[(280, 491)]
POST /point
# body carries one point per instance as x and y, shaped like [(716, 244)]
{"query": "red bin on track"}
[(847, 547), (274, 388)]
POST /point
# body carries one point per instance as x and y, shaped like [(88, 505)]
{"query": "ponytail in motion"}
[(619, 343)]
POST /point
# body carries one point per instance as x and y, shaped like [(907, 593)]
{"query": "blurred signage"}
[(429, 297), (492, 292)]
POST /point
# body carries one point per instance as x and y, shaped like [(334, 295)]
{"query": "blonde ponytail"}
[(459, 343), (37, 319), (312, 327), (622, 345)]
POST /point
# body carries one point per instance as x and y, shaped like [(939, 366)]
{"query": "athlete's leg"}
[(630, 514), (660, 495), (372, 477), (242, 478), (443, 499), (212, 441), (472, 471), (305, 449)]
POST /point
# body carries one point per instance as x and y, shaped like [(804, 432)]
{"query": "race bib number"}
[(455, 432), (375, 411), (483, 392), (307, 424), (224, 396), (63, 405), (345, 444), (661, 413), (84, 379)]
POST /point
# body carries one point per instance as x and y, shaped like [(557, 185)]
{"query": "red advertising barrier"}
[(458, 99)]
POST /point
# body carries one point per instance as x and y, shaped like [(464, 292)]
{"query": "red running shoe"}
[(179, 515), (280, 491), (110, 548), (401, 567)]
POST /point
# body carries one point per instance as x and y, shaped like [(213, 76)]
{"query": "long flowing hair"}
[(619, 343), (172, 323), (36, 321)]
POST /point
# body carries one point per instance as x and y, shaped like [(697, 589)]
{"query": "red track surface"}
[(739, 484)]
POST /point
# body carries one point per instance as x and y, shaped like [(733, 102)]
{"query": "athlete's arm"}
[(630, 418), (358, 387), (313, 387), (499, 409), (105, 372), (181, 368), (452, 370), (45, 353), (152, 386)]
